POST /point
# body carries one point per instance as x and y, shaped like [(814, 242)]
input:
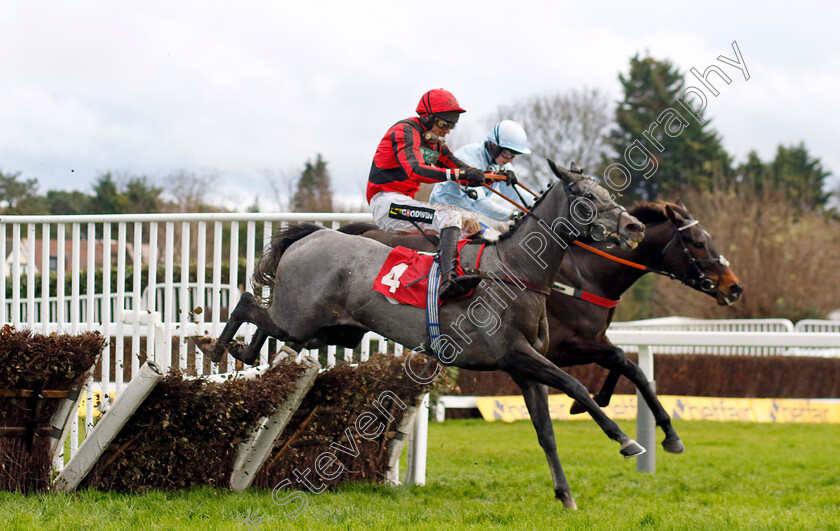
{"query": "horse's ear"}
[(675, 217), (561, 173), (686, 215)]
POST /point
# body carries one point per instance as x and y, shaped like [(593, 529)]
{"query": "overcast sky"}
[(248, 89)]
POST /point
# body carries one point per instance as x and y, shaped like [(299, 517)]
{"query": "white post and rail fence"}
[(135, 279)]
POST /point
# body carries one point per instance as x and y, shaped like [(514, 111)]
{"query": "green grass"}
[(494, 475)]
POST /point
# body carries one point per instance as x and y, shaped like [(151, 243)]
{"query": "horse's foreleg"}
[(634, 373), (536, 398), (578, 352), (604, 395), (528, 363)]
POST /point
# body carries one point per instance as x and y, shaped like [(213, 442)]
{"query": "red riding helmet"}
[(438, 101)]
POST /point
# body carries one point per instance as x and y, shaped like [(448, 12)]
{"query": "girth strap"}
[(433, 308)]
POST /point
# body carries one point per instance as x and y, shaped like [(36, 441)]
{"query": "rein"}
[(517, 282), (702, 283), (562, 288), (509, 280)]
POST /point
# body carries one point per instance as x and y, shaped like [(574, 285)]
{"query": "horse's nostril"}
[(634, 227), (736, 289)]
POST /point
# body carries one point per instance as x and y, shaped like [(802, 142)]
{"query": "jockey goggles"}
[(444, 124), (508, 154)]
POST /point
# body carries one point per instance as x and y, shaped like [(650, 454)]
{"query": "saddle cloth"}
[(404, 276)]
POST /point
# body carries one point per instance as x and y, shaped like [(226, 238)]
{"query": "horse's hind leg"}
[(248, 353), (248, 310), (536, 398)]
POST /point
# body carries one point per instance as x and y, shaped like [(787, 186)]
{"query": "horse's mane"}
[(654, 212), (265, 269), (518, 220)]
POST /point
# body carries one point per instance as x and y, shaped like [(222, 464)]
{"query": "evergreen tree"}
[(313, 192), (651, 125), (106, 198), (793, 171), (62, 202), (142, 196)]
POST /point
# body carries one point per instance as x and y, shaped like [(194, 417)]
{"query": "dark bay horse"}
[(321, 282), (675, 244)]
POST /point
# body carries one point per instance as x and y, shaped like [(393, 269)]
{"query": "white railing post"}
[(3, 273), (419, 444), (30, 276), (153, 348), (184, 308), (645, 423)]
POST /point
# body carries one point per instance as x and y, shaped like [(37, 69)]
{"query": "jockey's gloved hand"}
[(473, 176), (510, 177)]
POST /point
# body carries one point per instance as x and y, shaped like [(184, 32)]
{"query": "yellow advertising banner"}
[(97, 401), (510, 408)]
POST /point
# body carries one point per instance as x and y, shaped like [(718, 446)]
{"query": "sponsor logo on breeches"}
[(411, 213)]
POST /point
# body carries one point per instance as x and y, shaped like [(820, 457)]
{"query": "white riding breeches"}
[(394, 212)]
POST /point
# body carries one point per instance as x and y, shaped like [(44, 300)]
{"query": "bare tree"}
[(564, 126), (192, 192), (282, 185), (783, 256)]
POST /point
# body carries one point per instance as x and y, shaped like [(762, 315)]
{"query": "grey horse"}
[(321, 290)]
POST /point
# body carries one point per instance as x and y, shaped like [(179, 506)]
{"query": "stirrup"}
[(453, 288)]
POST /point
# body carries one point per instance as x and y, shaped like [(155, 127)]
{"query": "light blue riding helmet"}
[(509, 135)]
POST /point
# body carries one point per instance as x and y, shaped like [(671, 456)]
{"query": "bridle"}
[(701, 282), (597, 231)]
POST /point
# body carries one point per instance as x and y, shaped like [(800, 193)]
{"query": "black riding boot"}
[(451, 285)]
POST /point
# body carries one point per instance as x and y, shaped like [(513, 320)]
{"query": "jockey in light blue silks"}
[(504, 141)]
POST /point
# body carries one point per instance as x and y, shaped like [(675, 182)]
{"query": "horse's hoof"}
[(631, 448), (673, 445), (568, 501), (241, 352), (218, 352), (577, 408)]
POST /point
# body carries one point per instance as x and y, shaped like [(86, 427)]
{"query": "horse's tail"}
[(357, 228), (265, 270)]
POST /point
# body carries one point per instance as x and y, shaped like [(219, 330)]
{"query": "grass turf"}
[(493, 475)]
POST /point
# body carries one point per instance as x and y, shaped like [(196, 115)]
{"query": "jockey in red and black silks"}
[(404, 160), (413, 151)]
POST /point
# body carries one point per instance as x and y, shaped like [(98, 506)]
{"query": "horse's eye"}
[(699, 245)]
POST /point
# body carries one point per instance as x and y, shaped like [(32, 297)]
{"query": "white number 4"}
[(392, 279)]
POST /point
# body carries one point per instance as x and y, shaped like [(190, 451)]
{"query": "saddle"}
[(404, 277)]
